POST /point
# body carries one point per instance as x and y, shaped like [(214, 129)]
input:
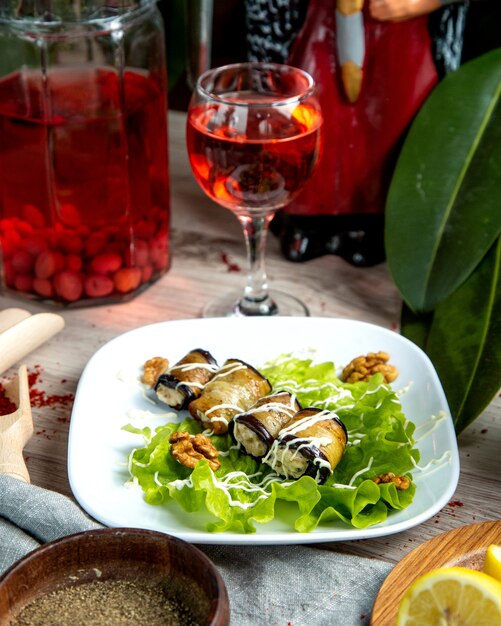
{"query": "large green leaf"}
[(464, 341), (444, 210), (415, 326)]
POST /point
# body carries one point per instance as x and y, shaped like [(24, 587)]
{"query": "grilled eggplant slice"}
[(185, 380), (256, 429), (232, 390), (311, 444)]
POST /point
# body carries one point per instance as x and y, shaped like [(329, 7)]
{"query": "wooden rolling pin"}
[(9, 317), (16, 428), (20, 334), (25, 335)]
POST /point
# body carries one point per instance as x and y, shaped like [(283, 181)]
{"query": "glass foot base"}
[(232, 304)]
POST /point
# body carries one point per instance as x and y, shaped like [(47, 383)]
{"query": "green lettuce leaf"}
[(244, 492)]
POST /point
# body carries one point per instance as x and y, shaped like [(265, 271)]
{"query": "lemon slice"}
[(492, 563), (451, 596)]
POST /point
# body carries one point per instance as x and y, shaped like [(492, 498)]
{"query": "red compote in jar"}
[(84, 183)]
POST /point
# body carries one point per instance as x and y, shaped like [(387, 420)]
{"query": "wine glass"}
[(254, 138)]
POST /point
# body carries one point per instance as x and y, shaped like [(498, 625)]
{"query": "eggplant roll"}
[(233, 389), (256, 429), (185, 380), (311, 444)]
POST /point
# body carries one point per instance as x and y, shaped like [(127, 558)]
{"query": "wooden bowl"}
[(117, 554)]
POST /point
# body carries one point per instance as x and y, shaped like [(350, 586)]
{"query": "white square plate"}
[(106, 400)]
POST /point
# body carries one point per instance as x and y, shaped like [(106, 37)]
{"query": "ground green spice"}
[(107, 603)]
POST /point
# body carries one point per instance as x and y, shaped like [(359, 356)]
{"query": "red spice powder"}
[(232, 267), (454, 503), (40, 398), (6, 405)]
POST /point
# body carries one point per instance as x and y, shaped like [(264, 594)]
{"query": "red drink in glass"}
[(254, 136), (257, 165), (84, 188)]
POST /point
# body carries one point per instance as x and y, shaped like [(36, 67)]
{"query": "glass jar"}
[(84, 180)]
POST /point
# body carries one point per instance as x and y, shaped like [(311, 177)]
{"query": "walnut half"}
[(153, 368), (363, 367), (400, 482), (190, 449)]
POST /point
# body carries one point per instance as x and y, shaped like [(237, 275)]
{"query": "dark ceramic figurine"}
[(375, 62)]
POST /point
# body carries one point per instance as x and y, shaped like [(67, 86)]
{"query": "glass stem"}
[(256, 300)]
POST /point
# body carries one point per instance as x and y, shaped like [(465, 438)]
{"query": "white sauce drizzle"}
[(133, 483), (187, 367), (340, 395), (275, 406), (157, 480), (134, 381), (306, 422), (139, 464), (221, 420), (353, 442), (433, 466), (189, 383), (245, 485), (292, 385), (129, 464), (348, 407), (227, 452), (360, 472), (355, 433), (131, 380), (233, 480), (148, 399), (444, 459), (434, 421), (231, 368), (368, 392), (216, 407), (180, 483), (402, 390)]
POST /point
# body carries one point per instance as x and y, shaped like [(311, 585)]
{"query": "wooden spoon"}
[(16, 428)]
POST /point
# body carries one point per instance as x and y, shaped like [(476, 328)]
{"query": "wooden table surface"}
[(204, 237)]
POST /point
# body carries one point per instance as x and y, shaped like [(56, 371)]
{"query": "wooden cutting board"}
[(463, 547)]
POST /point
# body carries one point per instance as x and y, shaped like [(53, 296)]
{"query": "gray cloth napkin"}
[(268, 586)]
